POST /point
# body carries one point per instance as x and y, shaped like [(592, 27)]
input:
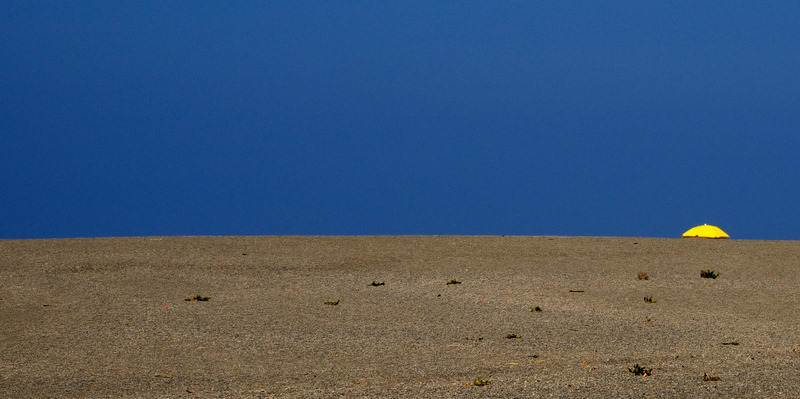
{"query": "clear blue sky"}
[(586, 118)]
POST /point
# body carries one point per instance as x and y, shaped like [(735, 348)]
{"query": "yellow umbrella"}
[(705, 231)]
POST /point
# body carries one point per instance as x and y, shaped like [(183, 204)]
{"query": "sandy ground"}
[(107, 317)]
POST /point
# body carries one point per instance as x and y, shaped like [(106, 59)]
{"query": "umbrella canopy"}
[(705, 231)]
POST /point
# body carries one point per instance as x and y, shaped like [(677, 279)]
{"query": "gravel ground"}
[(107, 317)]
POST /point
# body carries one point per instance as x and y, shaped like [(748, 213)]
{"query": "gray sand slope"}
[(107, 317)]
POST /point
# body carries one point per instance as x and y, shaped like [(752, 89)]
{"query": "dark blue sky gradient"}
[(590, 118)]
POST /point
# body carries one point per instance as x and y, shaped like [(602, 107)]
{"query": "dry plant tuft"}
[(708, 274), (480, 382), (639, 370)]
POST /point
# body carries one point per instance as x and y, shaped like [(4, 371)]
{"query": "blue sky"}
[(583, 118)]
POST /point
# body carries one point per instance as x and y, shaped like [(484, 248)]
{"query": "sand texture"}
[(107, 317)]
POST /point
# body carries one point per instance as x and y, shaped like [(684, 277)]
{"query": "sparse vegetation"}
[(708, 274), (199, 298), (377, 284), (731, 343), (707, 377), (333, 303), (642, 276), (649, 299), (639, 370), (451, 282), (479, 382), (536, 309), (512, 336)]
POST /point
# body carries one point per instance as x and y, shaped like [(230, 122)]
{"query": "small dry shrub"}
[(479, 382), (708, 274), (639, 370)]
